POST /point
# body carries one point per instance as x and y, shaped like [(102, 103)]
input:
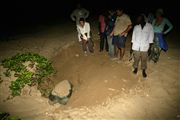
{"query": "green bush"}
[(25, 77), (7, 116)]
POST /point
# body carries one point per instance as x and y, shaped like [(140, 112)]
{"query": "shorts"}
[(119, 41)]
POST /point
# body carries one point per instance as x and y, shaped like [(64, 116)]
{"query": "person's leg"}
[(115, 50), (118, 49), (101, 42), (156, 54), (109, 43), (115, 46), (119, 53), (84, 46), (136, 55), (90, 45), (156, 49), (106, 43), (111, 46), (123, 41), (144, 57), (122, 52)]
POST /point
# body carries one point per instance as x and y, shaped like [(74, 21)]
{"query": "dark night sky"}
[(62, 8), (29, 12)]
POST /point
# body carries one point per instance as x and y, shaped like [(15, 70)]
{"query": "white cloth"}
[(141, 38), (82, 31)]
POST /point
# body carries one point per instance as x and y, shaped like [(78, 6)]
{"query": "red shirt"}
[(102, 23)]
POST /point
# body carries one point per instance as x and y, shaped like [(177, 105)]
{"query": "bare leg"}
[(115, 51), (122, 52), (118, 53)]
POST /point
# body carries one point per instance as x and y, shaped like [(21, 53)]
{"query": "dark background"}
[(17, 16)]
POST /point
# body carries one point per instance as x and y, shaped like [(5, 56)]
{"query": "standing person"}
[(150, 17), (83, 29), (103, 37), (159, 24), (122, 27), (142, 37), (109, 28), (78, 13)]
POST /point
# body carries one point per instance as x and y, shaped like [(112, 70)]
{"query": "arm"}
[(133, 35), (170, 26), (88, 30), (133, 40), (79, 33), (151, 38), (86, 13), (73, 16), (129, 26), (151, 34), (127, 30)]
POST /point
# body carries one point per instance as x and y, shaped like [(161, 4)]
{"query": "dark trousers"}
[(103, 42)]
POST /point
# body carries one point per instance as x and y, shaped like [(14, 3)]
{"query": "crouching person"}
[(83, 29), (142, 38)]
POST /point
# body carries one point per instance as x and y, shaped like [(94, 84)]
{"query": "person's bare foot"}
[(85, 53), (121, 59), (114, 58)]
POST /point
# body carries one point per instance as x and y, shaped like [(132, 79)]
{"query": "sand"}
[(103, 89)]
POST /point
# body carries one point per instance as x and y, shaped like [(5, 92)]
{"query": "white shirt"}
[(141, 38), (82, 30)]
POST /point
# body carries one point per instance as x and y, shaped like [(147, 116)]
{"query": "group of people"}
[(113, 32), (147, 35)]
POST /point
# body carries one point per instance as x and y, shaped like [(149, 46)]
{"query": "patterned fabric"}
[(155, 50)]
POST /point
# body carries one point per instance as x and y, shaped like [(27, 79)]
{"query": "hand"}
[(123, 34), (150, 45), (164, 33), (80, 42), (111, 34)]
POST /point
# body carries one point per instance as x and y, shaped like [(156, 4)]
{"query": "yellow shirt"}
[(121, 24)]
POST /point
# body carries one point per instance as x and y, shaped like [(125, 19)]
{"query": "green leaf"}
[(44, 68)]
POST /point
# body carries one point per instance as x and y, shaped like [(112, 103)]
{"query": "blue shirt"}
[(160, 28)]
